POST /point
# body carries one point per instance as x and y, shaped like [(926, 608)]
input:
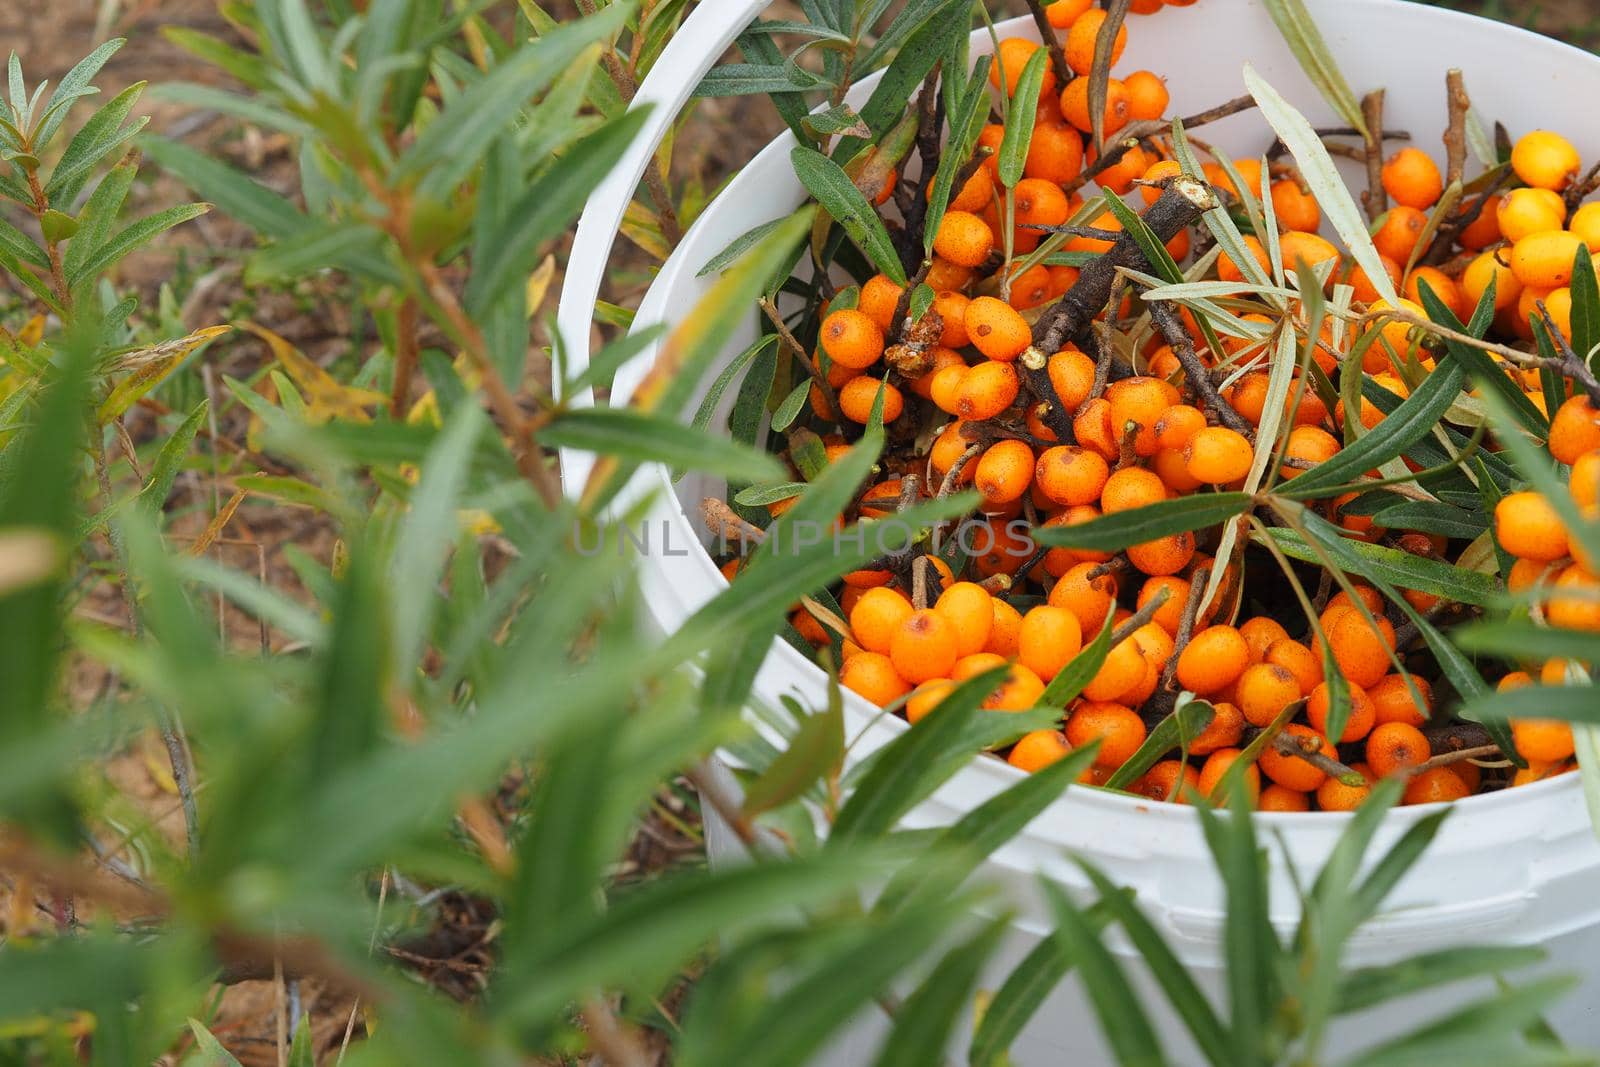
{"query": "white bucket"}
[(1518, 867)]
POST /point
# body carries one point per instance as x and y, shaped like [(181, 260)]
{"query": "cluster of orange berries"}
[(1139, 440)]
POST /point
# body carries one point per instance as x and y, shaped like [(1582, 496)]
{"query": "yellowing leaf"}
[(539, 284), (325, 397), (641, 226), (32, 331), (218, 523), (150, 366)]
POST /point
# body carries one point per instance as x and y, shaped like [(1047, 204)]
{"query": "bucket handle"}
[(689, 54)]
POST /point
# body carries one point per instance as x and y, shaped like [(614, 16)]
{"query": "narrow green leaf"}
[(1169, 735), (738, 247), (1080, 671), (235, 193), (1123, 1020), (1585, 309), (1368, 987), (169, 461), (812, 754), (1024, 109), (1112, 533), (211, 1052), (831, 186), (924, 1023), (95, 139), (643, 438), (1305, 40), (73, 85), (1401, 569), (131, 237), (792, 405)]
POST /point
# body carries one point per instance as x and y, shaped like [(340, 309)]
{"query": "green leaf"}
[(1400, 569), (1486, 1018), (1522, 639), (1123, 1021), (1171, 733), (131, 237), (831, 186), (738, 247), (301, 1051), (1024, 110), (762, 495), (1250, 943), (1585, 309), (1183, 993), (1571, 703), (502, 263), (924, 1023), (235, 193), (210, 1049), (169, 461), (1305, 40), (1432, 517), (916, 15), (1368, 987), (642, 438), (94, 140), (966, 121), (792, 405), (1114, 532), (72, 86), (751, 79), (1322, 178), (1409, 423), (814, 752), (454, 143), (57, 225), (914, 764), (1484, 370), (15, 242), (1025, 989)]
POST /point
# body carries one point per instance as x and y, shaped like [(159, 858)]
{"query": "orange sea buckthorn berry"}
[(1412, 178), (1170, 614), (858, 395), (872, 675), (1162, 556), (1048, 640), (1395, 747), (945, 389), (925, 697), (1364, 593), (1071, 475), (1229, 271), (1439, 785), (1063, 13), (1147, 94), (948, 448), (1178, 424), (1298, 660), (1019, 691), (1062, 279), (1401, 230), (1574, 430), (1281, 798), (1107, 222), (1295, 208), (964, 239), (1004, 471), (1216, 767), (1072, 374), (952, 309), (1092, 427), (1040, 202), (1308, 248), (1366, 292), (1585, 481), (1141, 401), (1484, 230), (996, 329), (1055, 154), (1118, 176), (1075, 105), (978, 663), (1546, 160), (877, 617), (1090, 601), (986, 390), (1169, 780), (1264, 690), (1122, 669), (1580, 608), (1118, 728), (1359, 722), (1489, 268), (1392, 700), (1443, 286), (1223, 731), (1012, 57), (1159, 171), (974, 195), (1293, 772), (1214, 658), (1526, 525), (1002, 548), (1585, 222), (1038, 750), (1545, 260), (1173, 470), (1261, 632), (1080, 42), (970, 609), (1361, 649), (1542, 740), (924, 647), (1005, 631), (852, 339), (1334, 795), (1308, 444), (1522, 212), (1218, 455), (878, 300), (1129, 488)]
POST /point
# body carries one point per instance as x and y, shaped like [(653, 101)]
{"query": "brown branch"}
[(1572, 365), (1309, 749), (1375, 199), (1166, 320), (1135, 132), (797, 350), (1455, 135), (1191, 609), (405, 356), (1047, 34)]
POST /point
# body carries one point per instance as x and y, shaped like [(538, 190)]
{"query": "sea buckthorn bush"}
[(1240, 467)]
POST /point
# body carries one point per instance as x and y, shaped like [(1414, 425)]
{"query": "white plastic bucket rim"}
[(1492, 862)]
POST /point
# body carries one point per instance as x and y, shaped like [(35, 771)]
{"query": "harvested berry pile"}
[(1231, 501)]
